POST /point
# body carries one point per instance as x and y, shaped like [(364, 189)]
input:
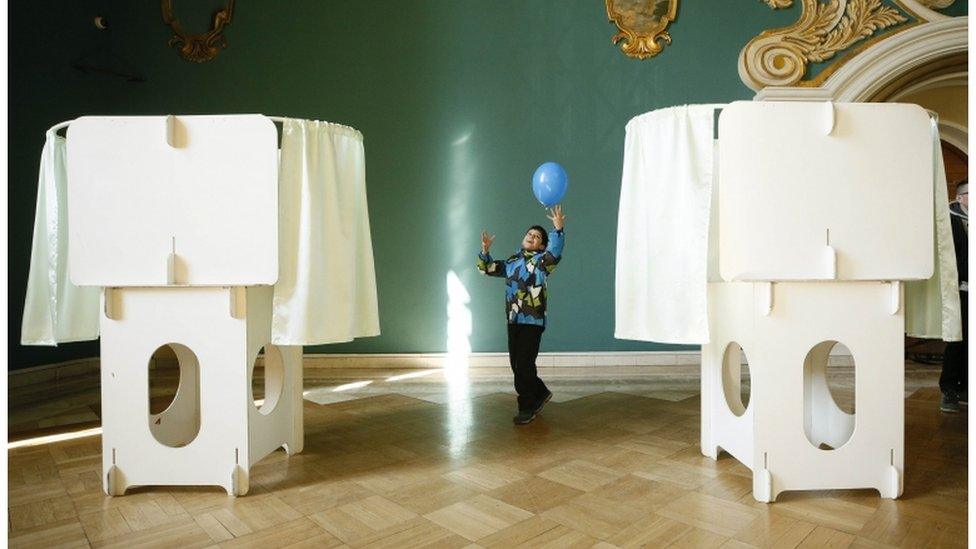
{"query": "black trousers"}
[(523, 348), (955, 360)]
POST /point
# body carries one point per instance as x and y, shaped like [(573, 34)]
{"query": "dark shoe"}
[(949, 402), (543, 403), (524, 417)]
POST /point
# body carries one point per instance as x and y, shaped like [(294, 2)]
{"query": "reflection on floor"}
[(427, 460), (441, 393), (75, 402)]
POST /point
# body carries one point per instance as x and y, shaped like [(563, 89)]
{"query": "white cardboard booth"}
[(824, 210), (177, 219)]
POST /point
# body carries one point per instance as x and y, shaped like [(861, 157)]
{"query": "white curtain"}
[(663, 232), (662, 226), (55, 311), (932, 308), (326, 290)]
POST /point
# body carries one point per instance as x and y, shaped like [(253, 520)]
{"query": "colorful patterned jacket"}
[(525, 279)]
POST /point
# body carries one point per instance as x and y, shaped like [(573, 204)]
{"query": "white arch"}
[(955, 135), (958, 78), (951, 132)]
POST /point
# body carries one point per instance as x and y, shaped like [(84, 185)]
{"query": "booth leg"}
[(239, 482), (893, 483), (296, 440), (762, 486), (114, 483), (708, 446)]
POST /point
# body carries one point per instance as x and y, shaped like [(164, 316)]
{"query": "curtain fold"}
[(55, 310), (663, 226), (662, 260), (932, 308), (326, 290)]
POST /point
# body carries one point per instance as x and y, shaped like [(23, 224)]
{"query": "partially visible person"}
[(954, 380)]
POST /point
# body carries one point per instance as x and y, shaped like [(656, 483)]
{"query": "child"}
[(525, 302)]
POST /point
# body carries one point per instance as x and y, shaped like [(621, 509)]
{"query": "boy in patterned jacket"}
[(525, 276)]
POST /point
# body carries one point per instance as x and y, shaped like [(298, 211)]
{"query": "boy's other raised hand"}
[(486, 240), (557, 217)]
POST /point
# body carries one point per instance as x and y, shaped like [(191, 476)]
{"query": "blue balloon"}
[(549, 183)]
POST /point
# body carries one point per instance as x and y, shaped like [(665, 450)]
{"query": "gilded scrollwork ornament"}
[(937, 4), (643, 25), (779, 57), (201, 47)]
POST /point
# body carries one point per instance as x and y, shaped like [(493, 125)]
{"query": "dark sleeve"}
[(960, 240)]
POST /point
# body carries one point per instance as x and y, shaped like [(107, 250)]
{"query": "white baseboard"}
[(52, 373), (638, 359), (621, 363), (500, 360)]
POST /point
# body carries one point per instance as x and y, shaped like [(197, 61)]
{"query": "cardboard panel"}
[(233, 434), (788, 400), (134, 197), (792, 172)]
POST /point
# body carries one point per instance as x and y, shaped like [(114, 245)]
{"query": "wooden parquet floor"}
[(606, 470)]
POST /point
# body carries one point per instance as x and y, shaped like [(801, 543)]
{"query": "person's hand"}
[(557, 217), (486, 240)]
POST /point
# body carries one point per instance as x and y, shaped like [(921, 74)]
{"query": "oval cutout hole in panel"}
[(174, 395), (829, 389), (735, 379), (267, 378)]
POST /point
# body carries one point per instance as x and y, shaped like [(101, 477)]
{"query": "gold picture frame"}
[(203, 47), (643, 25)]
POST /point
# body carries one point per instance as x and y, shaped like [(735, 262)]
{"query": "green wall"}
[(459, 101)]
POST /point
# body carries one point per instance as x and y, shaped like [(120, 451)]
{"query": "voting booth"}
[(824, 210), (176, 218)]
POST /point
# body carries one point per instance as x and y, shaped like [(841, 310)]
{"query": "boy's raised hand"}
[(486, 240), (557, 217)]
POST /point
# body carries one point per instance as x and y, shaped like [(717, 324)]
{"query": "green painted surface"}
[(959, 7), (458, 100)]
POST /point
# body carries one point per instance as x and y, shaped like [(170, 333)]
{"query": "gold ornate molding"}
[(643, 25), (779, 57), (198, 48), (936, 4)]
